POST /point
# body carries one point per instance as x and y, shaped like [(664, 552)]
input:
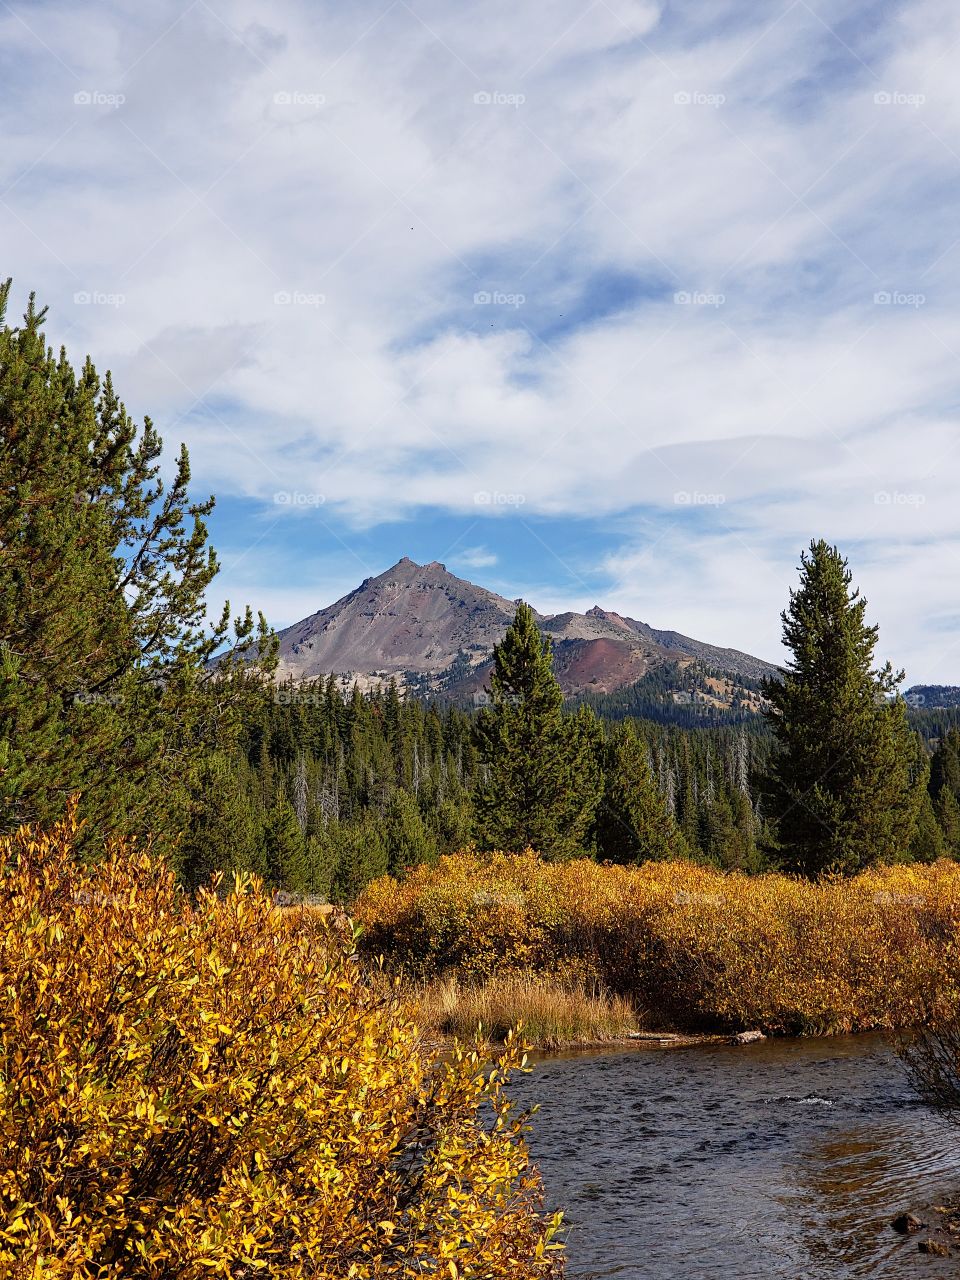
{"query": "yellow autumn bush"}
[(213, 1088), (690, 945)]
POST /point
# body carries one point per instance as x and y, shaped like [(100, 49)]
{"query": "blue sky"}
[(615, 303)]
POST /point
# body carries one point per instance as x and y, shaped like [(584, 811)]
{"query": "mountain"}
[(435, 633), (933, 697), (412, 618)]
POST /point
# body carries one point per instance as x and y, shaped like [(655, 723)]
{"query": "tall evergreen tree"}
[(690, 823), (224, 833), (361, 857), (633, 822), (322, 861), (740, 851), (947, 810), (945, 765), (285, 848), (542, 779), (104, 683), (846, 783), (928, 842), (408, 841)]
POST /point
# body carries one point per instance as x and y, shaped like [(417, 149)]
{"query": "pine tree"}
[(224, 832), (285, 848), (720, 836), (945, 765), (928, 843), (742, 852), (322, 858), (542, 779), (408, 842), (633, 822), (845, 785), (452, 822), (361, 857), (104, 568), (689, 809), (301, 792), (947, 810)]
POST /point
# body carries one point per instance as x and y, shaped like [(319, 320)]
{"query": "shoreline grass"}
[(552, 1014)]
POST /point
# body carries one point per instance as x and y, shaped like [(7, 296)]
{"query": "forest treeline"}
[(324, 794)]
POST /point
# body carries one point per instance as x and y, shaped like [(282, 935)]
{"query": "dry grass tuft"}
[(552, 1014)]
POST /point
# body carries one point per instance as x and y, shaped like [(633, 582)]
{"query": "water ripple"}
[(781, 1159)]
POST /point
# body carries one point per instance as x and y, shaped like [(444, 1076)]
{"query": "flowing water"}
[(780, 1159)]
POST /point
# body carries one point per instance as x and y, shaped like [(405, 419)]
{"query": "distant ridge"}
[(933, 697), (426, 627)]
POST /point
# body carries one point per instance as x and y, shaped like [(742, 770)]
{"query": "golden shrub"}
[(690, 945), (213, 1089)]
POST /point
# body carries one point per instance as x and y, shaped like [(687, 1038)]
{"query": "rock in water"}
[(906, 1224), (748, 1037), (936, 1247)]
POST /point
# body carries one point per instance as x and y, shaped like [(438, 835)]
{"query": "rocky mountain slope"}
[(435, 632)]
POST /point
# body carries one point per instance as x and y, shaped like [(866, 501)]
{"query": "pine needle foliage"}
[(542, 779), (104, 569), (846, 784)]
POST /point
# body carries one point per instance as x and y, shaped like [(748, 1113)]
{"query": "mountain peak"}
[(608, 615), (406, 565), (423, 620), (410, 618)]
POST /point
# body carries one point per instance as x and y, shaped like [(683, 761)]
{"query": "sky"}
[(619, 302)]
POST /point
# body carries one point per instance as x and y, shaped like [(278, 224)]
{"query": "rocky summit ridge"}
[(425, 626)]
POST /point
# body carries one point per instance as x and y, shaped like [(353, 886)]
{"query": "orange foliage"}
[(214, 1089), (690, 945)]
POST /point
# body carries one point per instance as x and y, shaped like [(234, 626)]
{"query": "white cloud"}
[(475, 558), (299, 208)]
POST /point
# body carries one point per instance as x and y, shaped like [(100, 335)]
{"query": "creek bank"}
[(940, 1236), (631, 1040)]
